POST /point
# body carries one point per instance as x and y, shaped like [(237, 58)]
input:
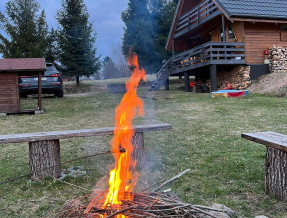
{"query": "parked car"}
[(52, 83)]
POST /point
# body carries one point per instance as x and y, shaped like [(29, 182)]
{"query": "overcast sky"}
[(105, 14)]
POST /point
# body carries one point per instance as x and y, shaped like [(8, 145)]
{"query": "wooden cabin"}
[(207, 35), (10, 70)]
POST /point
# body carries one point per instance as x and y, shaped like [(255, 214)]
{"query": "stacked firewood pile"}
[(278, 59), (238, 77)]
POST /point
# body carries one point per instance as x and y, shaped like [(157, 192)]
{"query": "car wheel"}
[(23, 96), (60, 94)]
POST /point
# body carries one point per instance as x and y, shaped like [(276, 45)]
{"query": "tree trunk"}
[(138, 153), (77, 80), (45, 159), (276, 173)]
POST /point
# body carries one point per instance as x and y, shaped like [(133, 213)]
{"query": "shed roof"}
[(269, 9), (22, 64)]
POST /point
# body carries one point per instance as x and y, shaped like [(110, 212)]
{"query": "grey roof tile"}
[(273, 9)]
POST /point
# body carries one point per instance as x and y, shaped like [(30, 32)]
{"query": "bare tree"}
[(120, 61)]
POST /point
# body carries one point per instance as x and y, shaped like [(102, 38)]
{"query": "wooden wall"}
[(238, 28), (215, 35), (259, 37), (9, 96)]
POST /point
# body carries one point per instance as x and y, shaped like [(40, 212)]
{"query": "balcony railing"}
[(209, 53), (196, 16)]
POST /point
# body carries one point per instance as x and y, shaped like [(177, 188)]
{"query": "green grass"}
[(205, 138)]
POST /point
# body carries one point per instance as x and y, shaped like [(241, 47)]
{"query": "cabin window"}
[(221, 35), (230, 36), (283, 36), (283, 32), (283, 27)]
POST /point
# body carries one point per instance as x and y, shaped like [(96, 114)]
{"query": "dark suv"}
[(51, 83)]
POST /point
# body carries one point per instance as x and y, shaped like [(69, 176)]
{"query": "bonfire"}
[(120, 201)]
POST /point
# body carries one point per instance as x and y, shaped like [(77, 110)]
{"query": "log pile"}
[(238, 77), (278, 59)]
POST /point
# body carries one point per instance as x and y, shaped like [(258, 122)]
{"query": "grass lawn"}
[(206, 138)]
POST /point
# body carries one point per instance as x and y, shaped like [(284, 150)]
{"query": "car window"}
[(50, 68), (32, 79), (50, 79), (28, 79)]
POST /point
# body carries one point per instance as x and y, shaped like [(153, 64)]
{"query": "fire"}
[(123, 177)]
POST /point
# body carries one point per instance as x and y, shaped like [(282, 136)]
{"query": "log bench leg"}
[(44, 155), (138, 153), (276, 173)]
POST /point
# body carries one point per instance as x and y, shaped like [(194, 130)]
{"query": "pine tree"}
[(139, 33), (147, 24), (164, 17), (76, 40), (26, 30), (51, 51)]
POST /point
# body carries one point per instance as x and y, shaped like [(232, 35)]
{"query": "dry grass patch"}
[(205, 138)]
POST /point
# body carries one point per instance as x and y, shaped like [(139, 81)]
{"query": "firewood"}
[(172, 179)]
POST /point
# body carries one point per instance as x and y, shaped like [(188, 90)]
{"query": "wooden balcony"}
[(208, 54), (195, 17)]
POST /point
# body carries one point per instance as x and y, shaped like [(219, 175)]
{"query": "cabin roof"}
[(22, 64), (268, 9)]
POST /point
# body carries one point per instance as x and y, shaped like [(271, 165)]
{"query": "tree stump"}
[(138, 153), (276, 173), (44, 159)]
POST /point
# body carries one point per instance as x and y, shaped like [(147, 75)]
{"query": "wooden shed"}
[(10, 70)]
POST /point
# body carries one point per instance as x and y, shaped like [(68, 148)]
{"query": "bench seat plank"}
[(43, 136), (269, 139)]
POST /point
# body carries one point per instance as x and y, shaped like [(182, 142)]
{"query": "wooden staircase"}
[(162, 76)]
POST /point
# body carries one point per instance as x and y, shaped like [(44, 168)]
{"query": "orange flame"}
[(122, 177)]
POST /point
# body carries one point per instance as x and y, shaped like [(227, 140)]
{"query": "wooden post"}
[(44, 155), (223, 28), (17, 93), (39, 91), (166, 83), (213, 79), (276, 173), (172, 47), (186, 82), (138, 153)]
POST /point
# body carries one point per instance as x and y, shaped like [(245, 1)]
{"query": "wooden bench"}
[(44, 147), (276, 161)]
